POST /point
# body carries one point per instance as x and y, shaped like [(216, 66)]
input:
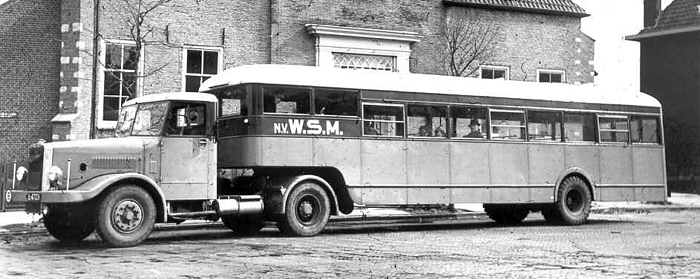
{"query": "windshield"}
[(146, 121)]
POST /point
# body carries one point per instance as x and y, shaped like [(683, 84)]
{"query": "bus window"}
[(427, 121), (286, 100), (544, 125), (336, 102), (383, 120), (507, 124), (645, 129), (233, 101), (579, 127), (613, 128), (467, 122)]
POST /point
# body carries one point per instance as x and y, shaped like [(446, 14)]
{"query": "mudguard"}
[(287, 185), (574, 170)]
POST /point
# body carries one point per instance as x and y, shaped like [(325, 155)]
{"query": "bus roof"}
[(175, 96), (389, 81)]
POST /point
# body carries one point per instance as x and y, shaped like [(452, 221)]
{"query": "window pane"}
[(544, 77), (110, 108), (383, 120), (487, 74), (579, 126), (113, 56), (131, 58), (194, 62), (211, 62), (111, 86), (555, 77), (336, 102), (644, 129), (613, 129), (186, 119), (507, 125), (364, 61), (286, 100), (129, 85), (468, 122), (233, 101), (544, 126), (192, 83), (499, 74), (149, 119), (387, 113), (427, 121)]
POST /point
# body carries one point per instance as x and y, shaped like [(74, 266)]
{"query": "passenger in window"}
[(440, 132), (370, 130), (424, 131), (475, 128)]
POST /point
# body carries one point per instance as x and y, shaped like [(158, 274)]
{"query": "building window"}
[(551, 76), (199, 65), (120, 77), (494, 72), (364, 61)]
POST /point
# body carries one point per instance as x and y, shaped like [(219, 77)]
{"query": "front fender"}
[(89, 190)]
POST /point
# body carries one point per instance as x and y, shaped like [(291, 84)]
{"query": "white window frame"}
[(403, 111), (99, 103), (548, 71), (495, 68), (184, 74), (393, 62)]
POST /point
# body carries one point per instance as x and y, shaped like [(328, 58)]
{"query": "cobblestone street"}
[(655, 245)]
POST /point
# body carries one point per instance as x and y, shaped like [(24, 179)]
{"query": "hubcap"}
[(127, 216), (574, 201), (307, 209)]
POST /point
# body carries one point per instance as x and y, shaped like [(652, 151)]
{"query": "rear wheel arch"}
[(575, 172), (299, 180)]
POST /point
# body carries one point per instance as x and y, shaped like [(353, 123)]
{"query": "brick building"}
[(670, 71), (190, 40)]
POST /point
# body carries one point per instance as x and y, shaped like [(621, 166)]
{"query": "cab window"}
[(186, 120), (286, 100)]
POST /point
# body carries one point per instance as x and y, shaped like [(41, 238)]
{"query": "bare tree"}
[(464, 42)]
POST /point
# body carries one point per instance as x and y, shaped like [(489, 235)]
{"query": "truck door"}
[(188, 157)]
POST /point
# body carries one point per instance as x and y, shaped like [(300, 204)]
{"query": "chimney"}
[(652, 10)]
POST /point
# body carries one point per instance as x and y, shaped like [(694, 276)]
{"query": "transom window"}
[(494, 72), (200, 65), (382, 120), (427, 121), (120, 78), (364, 61), (336, 102), (287, 100), (550, 76), (614, 128), (544, 125), (507, 124), (468, 122)]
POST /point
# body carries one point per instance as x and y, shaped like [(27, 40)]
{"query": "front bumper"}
[(70, 196)]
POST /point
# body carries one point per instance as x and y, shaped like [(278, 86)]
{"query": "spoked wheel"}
[(69, 224), (125, 216), (506, 214), (243, 225), (306, 212), (573, 205)]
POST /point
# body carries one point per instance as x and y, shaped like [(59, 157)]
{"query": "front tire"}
[(307, 210), (125, 216), (573, 205), (69, 224)]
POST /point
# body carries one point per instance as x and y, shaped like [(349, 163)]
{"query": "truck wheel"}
[(573, 205), (125, 216), (69, 224), (307, 210), (243, 225), (506, 214)]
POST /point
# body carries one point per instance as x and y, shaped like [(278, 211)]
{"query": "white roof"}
[(175, 96), (378, 80)]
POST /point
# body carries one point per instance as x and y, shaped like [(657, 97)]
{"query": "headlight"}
[(21, 173), (55, 174)]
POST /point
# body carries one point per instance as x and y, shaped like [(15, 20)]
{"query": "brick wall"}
[(29, 74)]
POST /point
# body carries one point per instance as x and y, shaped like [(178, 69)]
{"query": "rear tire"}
[(243, 225), (573, 205), (125, 216), (506, 214), (69, 224), (307, 210)]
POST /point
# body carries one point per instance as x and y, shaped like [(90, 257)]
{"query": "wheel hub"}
[(574, 201), (127, 216), (307, 209)]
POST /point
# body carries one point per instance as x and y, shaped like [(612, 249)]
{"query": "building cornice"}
[(366, 33), (660, 33)]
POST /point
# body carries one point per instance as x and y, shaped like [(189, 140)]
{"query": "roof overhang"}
[(514, 8), (366, 33), (660, 33)]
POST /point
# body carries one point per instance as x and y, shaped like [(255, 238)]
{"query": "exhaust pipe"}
[(239, 205)]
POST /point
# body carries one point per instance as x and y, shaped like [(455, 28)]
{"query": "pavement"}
[(21, 222)]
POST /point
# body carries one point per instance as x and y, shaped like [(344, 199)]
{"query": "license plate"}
[(34, 197)]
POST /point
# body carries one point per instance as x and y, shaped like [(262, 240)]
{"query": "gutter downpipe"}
[(95, 61)]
